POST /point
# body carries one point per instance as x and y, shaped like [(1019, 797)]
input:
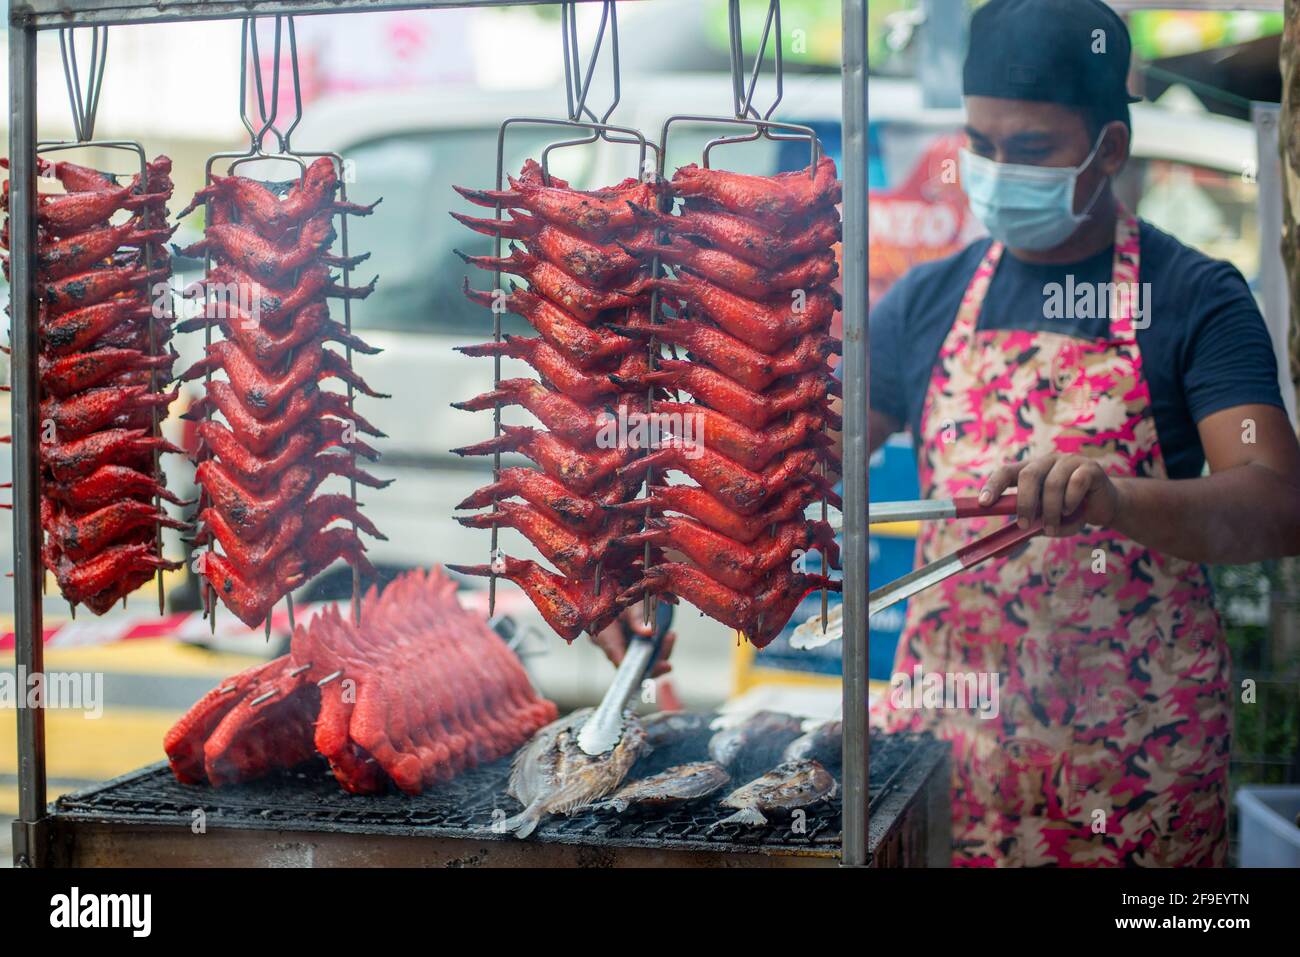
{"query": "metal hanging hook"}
[(268, 113), (743, 89), (743, 94), (578, 75), (85, 106)]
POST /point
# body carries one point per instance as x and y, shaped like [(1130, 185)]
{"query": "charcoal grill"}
[(303, 818)]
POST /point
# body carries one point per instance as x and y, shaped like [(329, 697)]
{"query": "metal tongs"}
[(604, 728), (982, 549)]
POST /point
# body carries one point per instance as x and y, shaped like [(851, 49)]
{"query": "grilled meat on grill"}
[(734, 563), (571, 551), (682, 784), (720, 392), (581, 470), (755, 744), (592, 263), (416, 693), (552, 775), (758, 617), (559, 370), (742, 489), (736, 275), (269, 349), (823, 744), (788, 787)]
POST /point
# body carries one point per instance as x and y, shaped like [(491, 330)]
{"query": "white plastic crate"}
[(1267, 827)]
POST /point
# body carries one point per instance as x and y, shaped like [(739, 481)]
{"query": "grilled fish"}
[(824, 744), (677, 785), (552, 775), (665, 729), (751, 747), (786, 788)]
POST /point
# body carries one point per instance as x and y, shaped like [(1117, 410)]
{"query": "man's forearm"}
[(1244, 514)]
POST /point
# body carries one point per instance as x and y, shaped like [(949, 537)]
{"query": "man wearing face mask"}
[(1111, 739)]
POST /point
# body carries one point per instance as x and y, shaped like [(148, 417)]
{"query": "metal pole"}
[(25, 416), (855, 670)]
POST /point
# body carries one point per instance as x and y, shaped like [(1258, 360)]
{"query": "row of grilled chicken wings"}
[(103, 331)]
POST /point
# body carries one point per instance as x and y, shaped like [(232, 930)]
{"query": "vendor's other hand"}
[(1056, 487), (612, 642)]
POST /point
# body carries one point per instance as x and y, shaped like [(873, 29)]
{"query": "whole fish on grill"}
[(788, 787), (824, 744), (670, 729), (676, 785), (553, 775), (676, 737), (751, 747)]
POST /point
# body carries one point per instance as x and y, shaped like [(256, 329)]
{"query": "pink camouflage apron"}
[(1109, 745)]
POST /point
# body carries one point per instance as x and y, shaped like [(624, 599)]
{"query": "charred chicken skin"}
[(570, 606), (781, 201), (745, 238), (747, 366), (694, 502), (767, 325), (580, 470), (557, 369), (599, 214), (585, 347)]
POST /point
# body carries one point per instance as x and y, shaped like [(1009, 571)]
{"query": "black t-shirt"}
[(1204, 349)]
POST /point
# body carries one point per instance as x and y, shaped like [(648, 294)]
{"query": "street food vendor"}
[(1125, 387)]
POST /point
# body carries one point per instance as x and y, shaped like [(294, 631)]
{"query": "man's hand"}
[(613, 643), (1057, 486)]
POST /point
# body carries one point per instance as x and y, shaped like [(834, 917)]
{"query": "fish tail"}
[(750, 816), (525, 822)]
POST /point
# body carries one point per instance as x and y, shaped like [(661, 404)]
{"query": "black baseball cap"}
[(1072, 52)]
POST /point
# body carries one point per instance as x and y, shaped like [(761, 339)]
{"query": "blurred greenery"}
[(1256, 602), (810, 28)]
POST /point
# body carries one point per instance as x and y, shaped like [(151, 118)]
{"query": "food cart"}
[(900, 817)]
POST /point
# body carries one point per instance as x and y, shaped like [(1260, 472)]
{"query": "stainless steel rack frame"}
[(31, 830)]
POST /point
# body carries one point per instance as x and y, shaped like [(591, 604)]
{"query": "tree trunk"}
[(1289, 141)]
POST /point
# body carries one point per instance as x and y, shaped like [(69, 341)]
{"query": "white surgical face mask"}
[(1026, 207)]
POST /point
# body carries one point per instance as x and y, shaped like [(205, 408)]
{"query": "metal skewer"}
[(763, 126), (84, 106), (577, 85), (266, 125)]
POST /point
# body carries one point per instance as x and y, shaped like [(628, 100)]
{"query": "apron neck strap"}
[(1125, 301)]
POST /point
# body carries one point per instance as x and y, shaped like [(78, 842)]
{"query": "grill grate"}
[(309, 799)]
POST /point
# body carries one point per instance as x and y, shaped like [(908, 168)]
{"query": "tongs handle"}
[(988, 546), (968, 506), (936, 509)]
